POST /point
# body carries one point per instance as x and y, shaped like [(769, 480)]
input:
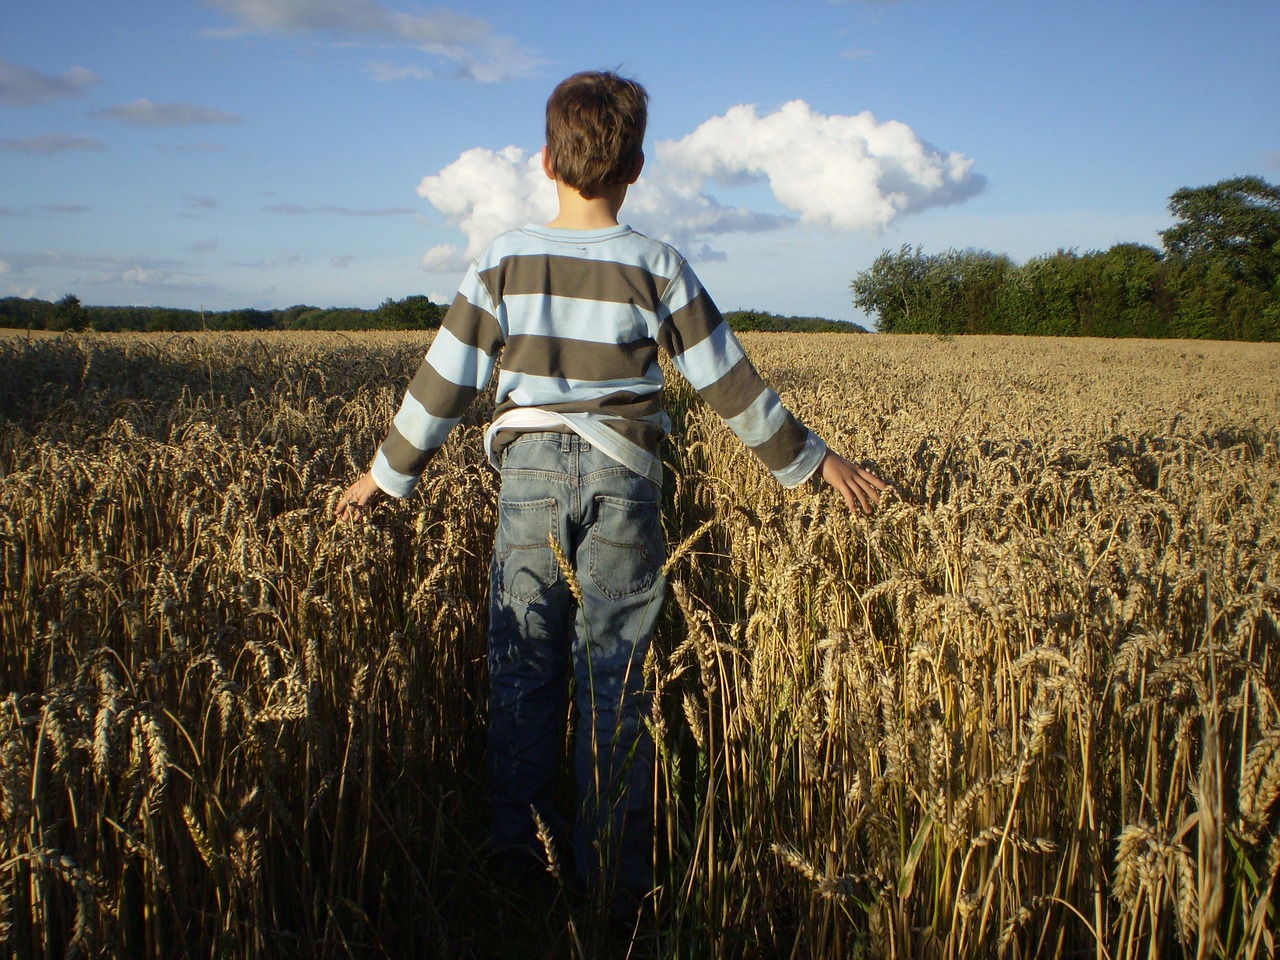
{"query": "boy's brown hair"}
[(595, 130)]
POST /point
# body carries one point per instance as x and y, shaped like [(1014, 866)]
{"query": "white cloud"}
[(843, 173), (100, 270), (386, 72), (666, 205), (269, 263), (442, 31), (139, 277), (293, 209), (465, 41), (444, 258), (51, 143), (147, 113), (484, 193), (11, 289), (23, 87), (337, 17)]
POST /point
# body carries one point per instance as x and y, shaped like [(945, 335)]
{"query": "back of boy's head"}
[(595, 130)]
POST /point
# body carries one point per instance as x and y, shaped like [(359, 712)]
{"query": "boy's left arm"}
[(705, 350)]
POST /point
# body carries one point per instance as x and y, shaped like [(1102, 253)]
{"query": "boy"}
[(578, 309)]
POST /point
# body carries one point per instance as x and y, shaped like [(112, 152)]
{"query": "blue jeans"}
[(607, 522)]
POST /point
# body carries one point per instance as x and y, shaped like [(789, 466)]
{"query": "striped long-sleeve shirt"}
[(578, 317)]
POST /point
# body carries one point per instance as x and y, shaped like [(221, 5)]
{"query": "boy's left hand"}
[(860, 487), (357, 498)]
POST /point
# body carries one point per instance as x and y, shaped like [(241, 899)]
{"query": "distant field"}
[(1027, 709)]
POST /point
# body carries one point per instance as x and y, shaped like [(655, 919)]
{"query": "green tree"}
[(1234, 223), (411, 313), (762, 320), (900, 289), (1214, 304), (1051, 291), (976, 281), (68, 314), (909, 291), (1127, 295)]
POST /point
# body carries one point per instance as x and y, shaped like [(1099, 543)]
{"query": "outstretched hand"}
[(358, 497), (860, 487)]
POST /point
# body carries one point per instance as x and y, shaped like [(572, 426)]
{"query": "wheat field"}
[(1027, 709)]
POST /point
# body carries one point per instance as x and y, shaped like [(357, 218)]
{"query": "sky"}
[(222, 154)]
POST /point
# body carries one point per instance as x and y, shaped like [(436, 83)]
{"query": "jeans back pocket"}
[(524, 566), (627, 547)]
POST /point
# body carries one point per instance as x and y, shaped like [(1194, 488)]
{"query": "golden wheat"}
[(1028, 708)]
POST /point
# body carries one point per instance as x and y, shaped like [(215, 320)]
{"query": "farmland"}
[(1028, 708)]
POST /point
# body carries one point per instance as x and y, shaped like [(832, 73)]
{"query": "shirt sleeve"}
[(457, 367), (705, 351)]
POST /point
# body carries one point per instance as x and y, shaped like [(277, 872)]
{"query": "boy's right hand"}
[(860, 487), (357, 497)]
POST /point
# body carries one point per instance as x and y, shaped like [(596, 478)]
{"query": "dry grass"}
[(1027, 709)]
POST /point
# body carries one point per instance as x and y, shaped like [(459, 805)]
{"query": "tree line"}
[(68, 314), (411, 313), (762, 321), (1217, 277)]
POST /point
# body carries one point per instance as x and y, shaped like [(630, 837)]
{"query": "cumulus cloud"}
[(485, 192), (466, 42), (23, 87), (676, 209), (147, 113), (843, 173), (51, 143)]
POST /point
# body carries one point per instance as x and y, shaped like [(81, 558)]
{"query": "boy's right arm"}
[(458, 366), (455, 370), (859, 486), (357, 497)]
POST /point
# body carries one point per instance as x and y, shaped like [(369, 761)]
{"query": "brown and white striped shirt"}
[(578, 317)]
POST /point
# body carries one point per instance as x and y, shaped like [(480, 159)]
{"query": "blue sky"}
[(235, 153)]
